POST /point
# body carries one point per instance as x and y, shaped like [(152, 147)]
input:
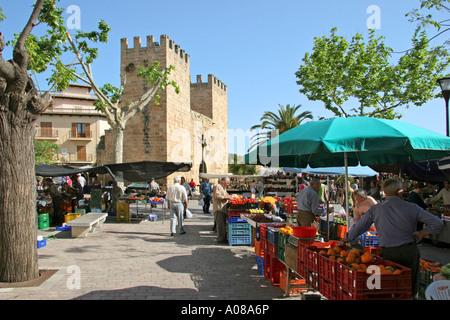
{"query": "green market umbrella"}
[(350, 142)]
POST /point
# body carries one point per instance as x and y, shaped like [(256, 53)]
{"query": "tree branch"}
[(138, 105), (385, 109), (20, 55), (87, 70), (6, 68)]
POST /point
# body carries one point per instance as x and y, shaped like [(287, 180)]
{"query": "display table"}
[(444, 235)]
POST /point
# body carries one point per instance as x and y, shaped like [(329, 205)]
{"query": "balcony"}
[(74, 112), (80, 136), (46, 134), (77, 158)]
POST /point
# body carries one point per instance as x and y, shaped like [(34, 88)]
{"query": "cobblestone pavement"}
[(140, 260)]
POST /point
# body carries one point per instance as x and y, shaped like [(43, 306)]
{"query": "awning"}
[(142, 171)]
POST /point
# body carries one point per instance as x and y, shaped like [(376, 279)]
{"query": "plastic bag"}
[(201, 202), (189, 214)]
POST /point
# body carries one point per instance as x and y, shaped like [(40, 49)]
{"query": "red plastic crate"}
[(236, 213), (327, 268), (301, 248), (354, 282), (312, 253), (290, 207), (327, 289), (373, 295), (374, 250), (263, 228), (272, 269), (313, 280), (272, 249)]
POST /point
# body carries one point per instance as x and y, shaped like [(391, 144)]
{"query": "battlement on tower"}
[(212, 82), (164, 44)]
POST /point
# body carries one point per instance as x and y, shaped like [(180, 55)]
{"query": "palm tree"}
[(285, 120)]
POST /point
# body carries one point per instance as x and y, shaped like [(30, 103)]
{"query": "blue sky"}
[(253, 46)]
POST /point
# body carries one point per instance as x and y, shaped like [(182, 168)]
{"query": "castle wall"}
[(172, 131)]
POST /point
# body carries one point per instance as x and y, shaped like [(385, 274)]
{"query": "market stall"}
[(132, 172), (371, 141)]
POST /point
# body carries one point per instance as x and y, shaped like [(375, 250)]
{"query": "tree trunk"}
[(118, 187), (118, 144), (18, 226)]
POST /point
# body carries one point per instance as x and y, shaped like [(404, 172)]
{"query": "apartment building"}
[(73, 123)]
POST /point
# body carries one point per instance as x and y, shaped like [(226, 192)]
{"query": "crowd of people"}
[(68, 188), (398, 210)]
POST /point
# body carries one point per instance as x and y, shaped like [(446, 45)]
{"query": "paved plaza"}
[(140, 260)]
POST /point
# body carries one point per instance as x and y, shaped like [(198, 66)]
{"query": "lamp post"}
[(203, 141), (444, 83)]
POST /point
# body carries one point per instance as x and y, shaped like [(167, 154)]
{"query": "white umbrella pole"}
[(346, 189)]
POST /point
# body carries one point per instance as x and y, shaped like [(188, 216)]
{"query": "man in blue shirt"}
[(396, 223), (206, 191)]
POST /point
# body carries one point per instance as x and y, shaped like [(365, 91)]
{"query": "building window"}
[(81, 130), (46, 129)]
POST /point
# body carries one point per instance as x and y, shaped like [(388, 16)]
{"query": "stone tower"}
[(173, 130)]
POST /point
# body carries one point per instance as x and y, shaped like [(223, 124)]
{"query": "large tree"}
[(20, 106), (358, 78)]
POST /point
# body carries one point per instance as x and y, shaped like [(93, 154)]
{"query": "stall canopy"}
[(142, 171), (358, 171)]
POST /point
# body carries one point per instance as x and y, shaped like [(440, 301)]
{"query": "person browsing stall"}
[(363, 203), (220, 200), (177, 201), (396, 223), (443, 194), (308, 204), (206, 191), (53, 191)]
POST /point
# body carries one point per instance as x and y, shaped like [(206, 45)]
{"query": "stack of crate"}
[(239, 231), (269, 238)]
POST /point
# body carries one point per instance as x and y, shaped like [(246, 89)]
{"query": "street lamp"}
[(444, 83)]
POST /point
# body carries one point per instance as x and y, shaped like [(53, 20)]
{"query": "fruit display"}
[(240, 201), (340, 221), (430, 265), (287, 230), (358, 260), (445, 271), (256, 211), (260, 218), (156, 199), (136, 197)]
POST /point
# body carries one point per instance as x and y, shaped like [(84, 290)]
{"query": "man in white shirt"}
[(176, 202), (81, 180), (444, 194)]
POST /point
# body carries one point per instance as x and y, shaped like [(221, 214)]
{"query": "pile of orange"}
[(430, 265), (287, 230), (357, 260)]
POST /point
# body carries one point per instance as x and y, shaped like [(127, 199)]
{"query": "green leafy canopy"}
[(338, 70), (47, 50)]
